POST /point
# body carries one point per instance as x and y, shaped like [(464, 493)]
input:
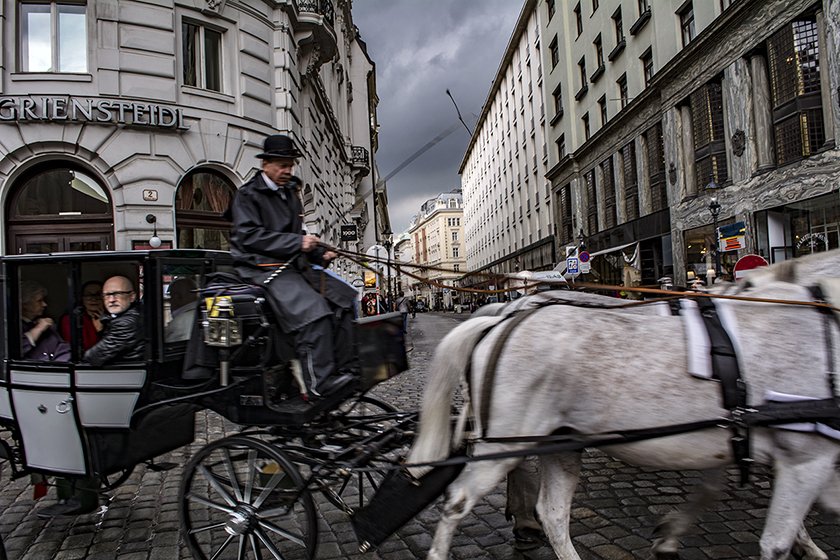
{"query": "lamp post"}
[(387, 243), (714, 208)]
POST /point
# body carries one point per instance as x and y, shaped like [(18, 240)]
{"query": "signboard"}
[(732, 237), (585, 267), (747, 263), (348, 232), (572, 265), (358, 283), (584, 257), (370, 279)]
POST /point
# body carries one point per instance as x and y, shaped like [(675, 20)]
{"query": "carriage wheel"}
[(353, 490), (242, 498)]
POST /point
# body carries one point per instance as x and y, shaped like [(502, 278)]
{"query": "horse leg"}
[(677, 523), (795, 489), (477, 480), (560, 474), (805, 548)]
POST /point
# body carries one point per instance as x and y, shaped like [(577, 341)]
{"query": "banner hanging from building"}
[(732, 237)]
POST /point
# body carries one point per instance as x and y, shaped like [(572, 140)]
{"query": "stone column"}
[(618, 174), (829, 37), (737, 100), (643, 175), (762, 114), (687, 169)]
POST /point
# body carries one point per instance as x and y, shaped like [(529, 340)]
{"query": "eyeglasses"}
[(107, 295)]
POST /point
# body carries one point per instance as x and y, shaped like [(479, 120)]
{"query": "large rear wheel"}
[(242, 498)]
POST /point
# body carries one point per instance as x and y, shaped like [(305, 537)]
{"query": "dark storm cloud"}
[(421, 48)]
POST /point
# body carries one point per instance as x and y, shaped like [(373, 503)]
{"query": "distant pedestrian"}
[(403, 308)]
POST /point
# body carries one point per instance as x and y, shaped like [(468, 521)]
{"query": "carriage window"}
[(180, 301), (43, 304)]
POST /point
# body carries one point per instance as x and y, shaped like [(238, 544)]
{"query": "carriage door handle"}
[(64, 406)]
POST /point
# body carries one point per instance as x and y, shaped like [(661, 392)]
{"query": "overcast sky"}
[(421, 48)]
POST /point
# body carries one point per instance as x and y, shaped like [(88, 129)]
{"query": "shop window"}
[(655, 153), (591, 203), (609, 193), (631, 182), (709, 143), (201, 56), (200, 205), (793, 54), (53, 37)]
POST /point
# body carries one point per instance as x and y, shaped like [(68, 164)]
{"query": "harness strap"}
[(829, 319), (490, 370)]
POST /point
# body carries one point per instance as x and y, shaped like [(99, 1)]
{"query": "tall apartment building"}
[(650, 102), (114, 111), (507, 212), (437, 238)]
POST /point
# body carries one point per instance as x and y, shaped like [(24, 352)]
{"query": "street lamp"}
[(387, 243), (714, 208)]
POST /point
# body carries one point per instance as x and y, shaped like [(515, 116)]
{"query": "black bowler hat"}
[(279, 146)]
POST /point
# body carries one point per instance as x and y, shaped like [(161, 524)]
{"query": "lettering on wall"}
[(102, 111)]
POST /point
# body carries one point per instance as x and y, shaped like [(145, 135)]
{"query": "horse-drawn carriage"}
[(244, 495)]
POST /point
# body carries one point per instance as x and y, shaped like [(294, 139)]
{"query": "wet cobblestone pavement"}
[(616, 506)]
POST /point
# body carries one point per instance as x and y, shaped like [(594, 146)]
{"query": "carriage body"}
[(73, 419)]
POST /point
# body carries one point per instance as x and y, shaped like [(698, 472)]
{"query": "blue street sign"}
[(572, 265)]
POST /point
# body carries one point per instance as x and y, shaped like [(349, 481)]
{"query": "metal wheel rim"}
[(254, 517)]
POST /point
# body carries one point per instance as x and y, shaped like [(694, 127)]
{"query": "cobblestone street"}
[(616, 506)]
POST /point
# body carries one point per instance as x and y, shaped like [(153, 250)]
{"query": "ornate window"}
[(655, 153), (794, 61), (201, 202), (631, 182), (608, 187), (709, 144)]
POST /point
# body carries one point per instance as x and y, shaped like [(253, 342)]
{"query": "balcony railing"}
[(322, 7), (360, 156)]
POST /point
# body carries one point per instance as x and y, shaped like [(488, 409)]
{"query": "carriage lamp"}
[(154, 241), (221, 328)]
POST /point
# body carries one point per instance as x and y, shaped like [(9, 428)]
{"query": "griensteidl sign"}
[(101, 111)]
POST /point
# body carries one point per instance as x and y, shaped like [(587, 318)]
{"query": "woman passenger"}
[(92, 308), (40, 339)]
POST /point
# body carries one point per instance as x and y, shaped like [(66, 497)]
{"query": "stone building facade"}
[(509, 224), (656, 108), (437, 240), (121, 118)]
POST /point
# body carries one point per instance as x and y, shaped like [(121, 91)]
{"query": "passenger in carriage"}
[(122, 338), (39, 338), (183, 301), (91, 313), (268, 233)]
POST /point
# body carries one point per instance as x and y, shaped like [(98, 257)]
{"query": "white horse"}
[(636, 378)]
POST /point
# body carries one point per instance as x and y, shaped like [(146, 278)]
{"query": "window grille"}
[(591, 203), (609, 194), (709, 144), (565, 209), (656, 167), (631, 182)]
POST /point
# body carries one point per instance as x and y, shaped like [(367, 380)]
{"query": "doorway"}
[(56, 207)]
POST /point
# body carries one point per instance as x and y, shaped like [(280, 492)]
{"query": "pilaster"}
[(737, 99), (765, 155)]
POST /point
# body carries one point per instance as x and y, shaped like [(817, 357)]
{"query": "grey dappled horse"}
[(635, 377)]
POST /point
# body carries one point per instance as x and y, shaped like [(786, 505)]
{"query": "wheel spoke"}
[(223, 547), (240, 555), (255, 547), (297, 539), (196, 530), (209, 503), (269, 488), (232, 474), (216, 485), (268, 544), (249, 478)]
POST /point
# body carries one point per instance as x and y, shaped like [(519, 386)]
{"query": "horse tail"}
[(435, 438)]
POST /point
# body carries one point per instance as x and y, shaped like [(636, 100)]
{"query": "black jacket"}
[(122, 339), (268, 229)]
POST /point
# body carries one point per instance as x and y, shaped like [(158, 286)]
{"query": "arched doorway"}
[(59, 207), (200, 204)]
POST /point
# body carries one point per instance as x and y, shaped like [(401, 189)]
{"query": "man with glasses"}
[(122, 338)]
